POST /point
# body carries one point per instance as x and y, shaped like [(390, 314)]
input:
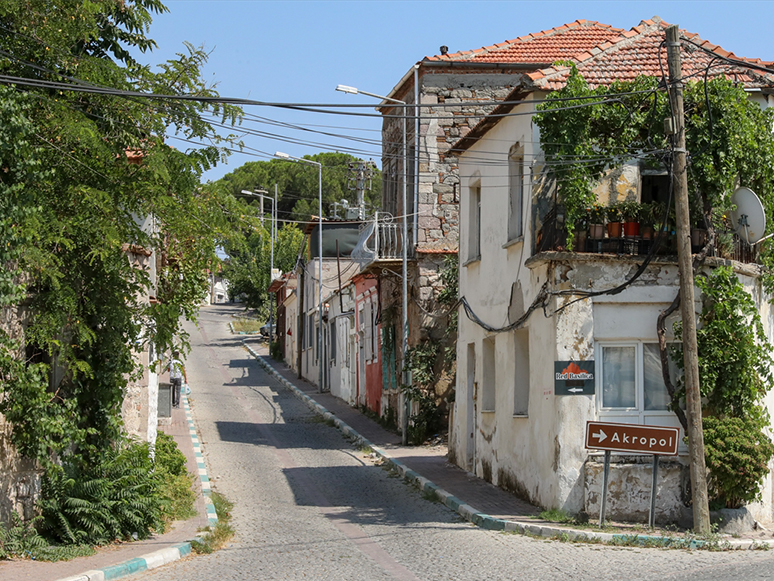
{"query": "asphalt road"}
[(310, 506)]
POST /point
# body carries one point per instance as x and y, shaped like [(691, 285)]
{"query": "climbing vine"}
[(735, 376)]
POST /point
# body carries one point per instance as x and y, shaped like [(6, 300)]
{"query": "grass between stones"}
[(243, 325), (223, 531)]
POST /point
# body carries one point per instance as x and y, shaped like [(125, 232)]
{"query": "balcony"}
[(552, 237), (381, 241)]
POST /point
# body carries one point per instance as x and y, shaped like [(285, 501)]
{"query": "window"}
[(474, 226), (368, 330), (489, 379), (515, 192), (630, 386), (521, 380)]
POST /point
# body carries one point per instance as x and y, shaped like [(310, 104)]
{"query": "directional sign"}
[(632, 438), (573, 378)]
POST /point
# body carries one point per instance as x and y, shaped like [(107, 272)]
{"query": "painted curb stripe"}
[(162, 556), (471, 514)]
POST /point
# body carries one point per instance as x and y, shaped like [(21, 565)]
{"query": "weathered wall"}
[(19, 477)]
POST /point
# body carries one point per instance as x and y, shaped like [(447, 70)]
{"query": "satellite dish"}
[(749, 218)]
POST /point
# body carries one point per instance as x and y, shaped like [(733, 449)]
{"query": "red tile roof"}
[(562, 42), (636, 52)]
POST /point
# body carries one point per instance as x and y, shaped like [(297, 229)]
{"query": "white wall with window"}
[(474, 222), (516, 193)]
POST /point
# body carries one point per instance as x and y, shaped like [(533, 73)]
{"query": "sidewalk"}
[(118, 560), (476, 500)]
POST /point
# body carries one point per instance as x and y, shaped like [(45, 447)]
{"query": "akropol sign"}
[(639, 439)]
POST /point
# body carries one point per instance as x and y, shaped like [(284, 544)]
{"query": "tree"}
[(70, 200), (297, 184)]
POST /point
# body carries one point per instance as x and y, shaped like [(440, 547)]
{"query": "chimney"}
[(444, 49)]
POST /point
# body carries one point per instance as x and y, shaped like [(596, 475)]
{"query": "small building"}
[(511, 425)]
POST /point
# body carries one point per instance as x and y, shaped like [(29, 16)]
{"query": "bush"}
[(174, 480), (115, 497), (737, 452), (20, 540)]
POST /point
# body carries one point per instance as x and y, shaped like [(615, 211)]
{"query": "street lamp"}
[(404, 271), (285, 156), (260, 194)]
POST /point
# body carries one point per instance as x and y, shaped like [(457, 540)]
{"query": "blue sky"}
[(298, 51)]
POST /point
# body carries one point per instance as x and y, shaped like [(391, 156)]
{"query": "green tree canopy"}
[(74, 198), (297, 184)]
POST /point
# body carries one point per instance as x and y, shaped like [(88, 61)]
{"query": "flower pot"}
[(614, 229), (646, 232), (631, 229), (597, 231), (698, 237), (580, 241)]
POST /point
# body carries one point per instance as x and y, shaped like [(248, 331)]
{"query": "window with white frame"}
[(515, 192), (474, 224), (630, 384)]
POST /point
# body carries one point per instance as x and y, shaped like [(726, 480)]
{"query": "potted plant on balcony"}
[(614, 224), (630, 214), (596, 214)]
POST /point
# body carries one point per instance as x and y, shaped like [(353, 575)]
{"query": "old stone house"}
[(510, 424), (447, 95)]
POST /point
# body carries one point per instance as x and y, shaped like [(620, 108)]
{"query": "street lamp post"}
[(282, 155), (260, 194), (404, 269)]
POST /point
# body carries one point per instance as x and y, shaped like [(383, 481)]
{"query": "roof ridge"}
[(525, 38), (606, 46)]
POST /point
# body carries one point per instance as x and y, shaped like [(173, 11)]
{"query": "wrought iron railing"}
[(380, 239)]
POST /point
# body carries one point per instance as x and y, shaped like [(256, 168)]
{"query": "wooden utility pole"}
[(701, 520)]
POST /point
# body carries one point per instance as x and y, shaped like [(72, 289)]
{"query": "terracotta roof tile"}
[(558, 43), (636, 52)]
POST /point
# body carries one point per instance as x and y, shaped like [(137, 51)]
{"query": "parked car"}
[(269, 331)]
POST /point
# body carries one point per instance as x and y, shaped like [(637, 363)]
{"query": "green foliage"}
[(249, 264), (68, 203), (737, 456), (734, 375), (426, 420), (20, 540), (614, 121), (215, 538), (421, 361), (734, 354), (298, 186), (112, 499), (174, 480)]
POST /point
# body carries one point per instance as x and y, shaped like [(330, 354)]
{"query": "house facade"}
[(450, 94), (512, 424)]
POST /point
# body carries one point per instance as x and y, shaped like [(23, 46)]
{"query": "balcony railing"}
[(380, 239), (552, 235)]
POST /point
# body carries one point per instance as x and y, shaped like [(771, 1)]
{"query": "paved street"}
[(310, 506)]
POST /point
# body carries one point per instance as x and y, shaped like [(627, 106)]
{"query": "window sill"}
[(516, 240), (472, 260), (517, 416), (487, 411)]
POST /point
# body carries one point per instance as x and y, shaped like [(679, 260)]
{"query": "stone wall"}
[(19, 477)]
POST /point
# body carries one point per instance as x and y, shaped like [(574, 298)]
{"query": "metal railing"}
[(380, 239)]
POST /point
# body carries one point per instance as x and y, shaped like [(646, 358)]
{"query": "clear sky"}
[(298, 51)]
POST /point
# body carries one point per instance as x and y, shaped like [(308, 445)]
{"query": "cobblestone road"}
[(309, 506)]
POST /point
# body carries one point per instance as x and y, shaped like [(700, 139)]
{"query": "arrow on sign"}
[(575, 389), (601, 436)]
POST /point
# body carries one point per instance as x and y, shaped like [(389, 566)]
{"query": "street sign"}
[(573, 377), (634, 438)]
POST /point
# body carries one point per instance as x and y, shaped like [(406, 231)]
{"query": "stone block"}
[(441, 188)]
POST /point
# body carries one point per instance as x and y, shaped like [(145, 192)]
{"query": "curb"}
[(486, 521), (170, 554)]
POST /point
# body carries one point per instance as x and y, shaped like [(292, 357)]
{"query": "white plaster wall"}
[(521, 454), (341, 367)]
